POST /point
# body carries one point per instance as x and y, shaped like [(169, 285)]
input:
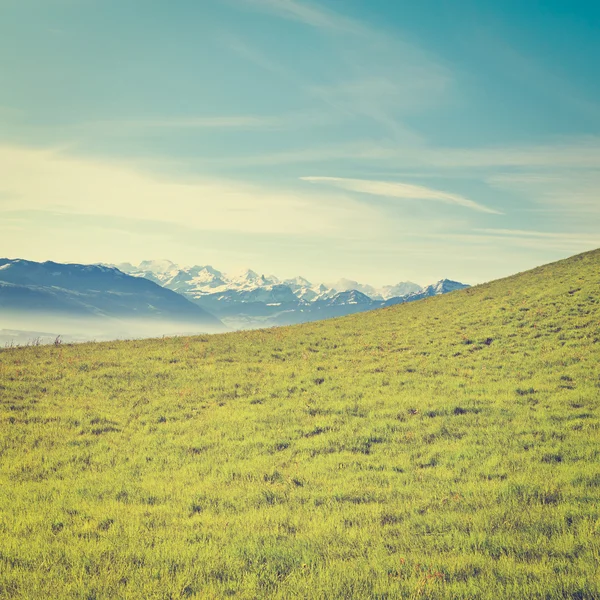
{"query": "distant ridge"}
[(250, 300), (94, 294)]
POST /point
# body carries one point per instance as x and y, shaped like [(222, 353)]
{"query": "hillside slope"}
[(446, 448)]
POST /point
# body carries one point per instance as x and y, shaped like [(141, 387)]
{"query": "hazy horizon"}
[(24, 327)]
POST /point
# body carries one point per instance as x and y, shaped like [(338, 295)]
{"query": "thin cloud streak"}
[(529, 233), (301, 156), (307, 13), (571, 243), (581, 153), (577, 154), (569, 238), (220, 122), (233, 122), (408, 191)]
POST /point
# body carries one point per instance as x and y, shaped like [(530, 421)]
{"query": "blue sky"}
[(379, 140)]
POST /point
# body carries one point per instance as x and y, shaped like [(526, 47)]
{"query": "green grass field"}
[(448, 448)]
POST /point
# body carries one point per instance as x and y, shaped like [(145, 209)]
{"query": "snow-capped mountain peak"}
[(246, 275), (349, 297), (435, 289), (403, 288), (205, 269), (251, 279), (447, 285), (158, 267), (298, 281), (202, 281)]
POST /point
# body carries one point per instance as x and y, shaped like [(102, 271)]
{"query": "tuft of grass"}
[(446, 448)]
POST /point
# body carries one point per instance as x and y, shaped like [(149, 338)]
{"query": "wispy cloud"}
[(53, 180), (364, 152), (308, 13), (577, 240), (391, 189), (531, 72), (549, 160), (555, 235), (580, 153), (384, 96), (216, 122), (370, 73), (576, 153), (570, 190), (499, 240), (286, 121)]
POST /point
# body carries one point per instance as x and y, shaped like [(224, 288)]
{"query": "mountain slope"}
[(444, 286), (94, 293), (446, 448)]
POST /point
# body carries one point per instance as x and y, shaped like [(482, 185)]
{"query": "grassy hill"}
[(447, 448)]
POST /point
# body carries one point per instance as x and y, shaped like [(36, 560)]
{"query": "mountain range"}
[(155, 298), (250, 299), (76, 300)]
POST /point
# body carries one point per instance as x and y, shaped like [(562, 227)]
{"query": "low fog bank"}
[(27, 329)]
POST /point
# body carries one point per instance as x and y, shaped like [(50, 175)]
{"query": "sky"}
[(375, 140)]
